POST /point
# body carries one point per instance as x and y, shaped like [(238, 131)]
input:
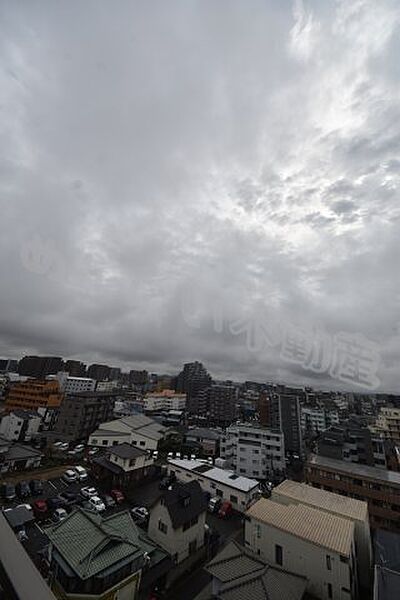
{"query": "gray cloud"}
[(163, 162)]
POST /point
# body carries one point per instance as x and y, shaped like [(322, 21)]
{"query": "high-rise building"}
[(285, 415), (191, 380), (138, 377), (81, 413), (75, 368), (33, 394), (222, 404), (8, 365), (99, 372), (40, 366)]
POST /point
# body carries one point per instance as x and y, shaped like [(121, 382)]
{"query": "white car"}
[(140, 514), (79, 447), (59, 515), (81, 472), (94, 451), (178, 455), (57, 444), (64, 446), (96, 504), (88, 492), (70, 476)]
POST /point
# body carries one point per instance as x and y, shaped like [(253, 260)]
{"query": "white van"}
[(81, 472)]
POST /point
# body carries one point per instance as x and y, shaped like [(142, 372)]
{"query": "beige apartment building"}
[(308, 542), (388, 424), (292, 492)]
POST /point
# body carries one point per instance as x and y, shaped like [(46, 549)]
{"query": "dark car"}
[(36, 486), (23, 489), (8, 492), (109, 501), (71, 498), (117, 495), (40, 507), (56, 502)]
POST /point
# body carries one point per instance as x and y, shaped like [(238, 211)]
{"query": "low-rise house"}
[(206, 439), (292, 492), (308, 542), (20, 425), (122, 466), (18, 457), (98, 558), (177, 520), (138, 430), (225, 484), (237, 573)]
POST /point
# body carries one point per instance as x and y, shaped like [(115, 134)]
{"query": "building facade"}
[(378, 487), (253, 451), (177, 520), (73, 385), (307, 542), (137, 430), (163, 401), (240, 491), (122, 466), (20, 425), (33, 394), (80, 414)]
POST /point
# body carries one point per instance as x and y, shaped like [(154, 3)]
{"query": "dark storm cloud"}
[(168, 169)]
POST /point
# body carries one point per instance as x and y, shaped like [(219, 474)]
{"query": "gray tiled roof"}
[(90, 544), (127, 451), (180, 512), (245, 576)]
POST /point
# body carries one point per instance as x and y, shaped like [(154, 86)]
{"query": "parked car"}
[(8, 492), (36, 486), (81, 472), (70, 476), (64, 446), (214, 504), (88, 492), (59, 515), (117, 495), (93, 451), (23, 489), (69, 496), (40, 507), (225, 511), (140, 514), (96, 504), (79, 448), (56, 502), (57, 444), (109, 501)]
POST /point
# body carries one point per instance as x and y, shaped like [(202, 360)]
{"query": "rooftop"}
[(320, 499), (245, 576), (90, 544), (315, 526), (223, 476), (126, 425), (203, 432), (127, 451), (184, 502), (364, 471)]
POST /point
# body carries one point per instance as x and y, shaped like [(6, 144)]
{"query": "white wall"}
[(175, 541), (301, 557)]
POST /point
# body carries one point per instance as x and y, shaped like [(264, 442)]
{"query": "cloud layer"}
[(168, 169)]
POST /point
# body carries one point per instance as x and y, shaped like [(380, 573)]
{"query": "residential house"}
[(177, 520), (17, 457), (122, 466), (137, 430), (20, 425)]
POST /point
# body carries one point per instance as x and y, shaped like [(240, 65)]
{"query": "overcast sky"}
[(203, 180)]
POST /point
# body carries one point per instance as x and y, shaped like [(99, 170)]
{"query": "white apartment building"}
[(73, 385), (317, 419), (307, 542), (292, 492), (253, 451), (106, 386), (164, 401), (240, 491), (177, 520), (20, 425)]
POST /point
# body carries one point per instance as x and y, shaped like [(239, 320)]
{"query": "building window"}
[(193, 547), (162, 526), (233, 499), (278, 554), (219, 493), (328, 563), (330, 590), (104, 443), (142, 443)]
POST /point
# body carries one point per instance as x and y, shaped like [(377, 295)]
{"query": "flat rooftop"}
[(312, 525), (321, 499), (244, 484), (364, 471)]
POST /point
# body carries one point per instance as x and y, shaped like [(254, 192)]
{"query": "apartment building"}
[(33, 394), (73, 385), (316, 420), (308, 542), (137, 430), (207, 439), (177, 520), (164, 401), (292, 492), (240, 491), (81, 413), (40, 366), (253, 451), (388, 424), (378, 487)]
